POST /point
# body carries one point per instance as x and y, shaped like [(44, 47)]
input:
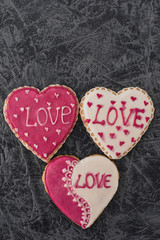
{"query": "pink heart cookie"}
[(42, 120), (81, 189), (116, 121)]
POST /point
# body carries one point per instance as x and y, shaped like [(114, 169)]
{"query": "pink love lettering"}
[(95, 181)]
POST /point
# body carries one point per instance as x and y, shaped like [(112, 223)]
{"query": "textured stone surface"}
[(81, 44)]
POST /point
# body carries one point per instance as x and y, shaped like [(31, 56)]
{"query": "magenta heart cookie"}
[(42, 120), (116, 121), (81, 189)]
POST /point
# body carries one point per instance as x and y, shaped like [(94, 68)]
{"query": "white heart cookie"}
[(116, 121)]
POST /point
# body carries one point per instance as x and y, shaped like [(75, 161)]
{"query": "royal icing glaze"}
[(81, 189), (41, 118), (116, 121)]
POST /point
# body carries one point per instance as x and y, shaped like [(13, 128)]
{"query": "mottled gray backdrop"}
[(82, 44)]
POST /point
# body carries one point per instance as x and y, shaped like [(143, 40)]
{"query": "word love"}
[(94, 180), (113, 114), (49, 113)]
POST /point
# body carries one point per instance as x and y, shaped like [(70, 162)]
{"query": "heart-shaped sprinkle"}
[(133, 140), (112, 135), (36, 100), (87, 120), (40, 116), (110, 147), (146, 103), (45, 155), (126, 132), (72, 104), (54, 143), (100, 134), (16, 98), (22, 109), (123, 103), (113, 102), (121, 143), (133, 98), (58, 131), (129, 117), (147, 119), (89, 104), (86, 186), (36, 146), (99, 95), (118, 154), (118, 128), (56, 95)]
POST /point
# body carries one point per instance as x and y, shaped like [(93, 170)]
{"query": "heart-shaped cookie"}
[(81, 189), (116, 121), (42, 120)]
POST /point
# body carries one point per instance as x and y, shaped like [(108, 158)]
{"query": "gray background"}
[(81, 44)]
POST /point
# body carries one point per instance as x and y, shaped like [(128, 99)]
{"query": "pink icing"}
[(147, 119), (112, 135), (96, 182), (118, 128), (133, 140), (138, 117), (121, 143), (126, 132), (113, 102), (42, 119), (123, 102), (126, 121), (100, 134), (108, 114), (118, 154), (110, 147), (95, 120), (57, 179)]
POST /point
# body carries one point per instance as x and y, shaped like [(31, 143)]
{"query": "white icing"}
[(26, 134), (105, 101), (15, 115), (57, 112), (27, 118), (16, 98), (97, 198), (46, 118), (65, 114), (45, 139), (22, 109), (58, 131)]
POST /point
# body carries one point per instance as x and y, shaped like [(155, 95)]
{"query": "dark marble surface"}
[(82, 44)]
